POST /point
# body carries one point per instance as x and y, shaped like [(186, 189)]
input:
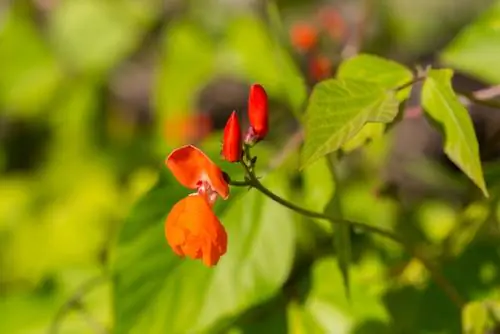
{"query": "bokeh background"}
[(95, 93)]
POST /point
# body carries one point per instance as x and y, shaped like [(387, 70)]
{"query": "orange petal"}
[(190, 166), (192, 229)]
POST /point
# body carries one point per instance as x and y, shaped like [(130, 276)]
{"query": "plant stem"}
[(410, 83), (436, 274), (471, 96)]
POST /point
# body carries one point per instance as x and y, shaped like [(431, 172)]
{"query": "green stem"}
[(436, 274), (410, 83)]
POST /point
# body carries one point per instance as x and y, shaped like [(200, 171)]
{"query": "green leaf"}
[(369, 132), (318, 188), (92, 35), (187, 64), (475, 318), (475, 50), (442, 105), (337, 111), (328, 304), (30, 75), (155, 291), (342, 232), (384, 72)]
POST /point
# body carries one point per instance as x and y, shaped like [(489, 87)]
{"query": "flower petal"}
[(193, 230), (190, 166)]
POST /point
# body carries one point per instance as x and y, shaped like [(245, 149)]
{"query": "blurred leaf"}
[(330, 308), (29, 74), (475, 318), (442, 105), (337, 111), (384, 72), (300, 321), (342, 233), (93, 35), (318, 188), (159, 292), (475, 50), (186, 65), (437, 220), (260, 59)]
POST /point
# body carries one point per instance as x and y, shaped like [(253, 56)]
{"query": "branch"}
[(436, 274)]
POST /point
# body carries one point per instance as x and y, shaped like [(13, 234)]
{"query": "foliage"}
[(314, 244)]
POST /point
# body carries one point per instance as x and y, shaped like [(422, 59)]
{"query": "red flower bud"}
[(231, 144), (258, 114)]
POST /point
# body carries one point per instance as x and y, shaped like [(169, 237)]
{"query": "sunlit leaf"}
[(384, 72), (475, 318), (155, 291), (475, 50), (370, 131), (337, 111), (442, 105)]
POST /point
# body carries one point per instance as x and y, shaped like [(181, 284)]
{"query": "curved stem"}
[(436, 274)]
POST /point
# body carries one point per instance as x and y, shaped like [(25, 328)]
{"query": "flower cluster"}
[(191, 228)]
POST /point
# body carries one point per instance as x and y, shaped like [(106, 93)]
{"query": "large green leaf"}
[(157, 292), (475, 50), (337, 111), (442, 105), (386, 73)]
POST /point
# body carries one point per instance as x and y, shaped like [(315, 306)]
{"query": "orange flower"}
[(193, 230), (193, 169), (231, 144), (191, 227)]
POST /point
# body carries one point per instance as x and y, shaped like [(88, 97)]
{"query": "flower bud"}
[(258, 114), (231, 144)]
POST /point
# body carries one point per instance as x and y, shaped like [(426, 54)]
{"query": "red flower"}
[(303, 36), (191, 227), (258, 114), (320, 67), (231, 144)]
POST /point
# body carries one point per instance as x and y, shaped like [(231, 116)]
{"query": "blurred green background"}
[(95, 93)]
